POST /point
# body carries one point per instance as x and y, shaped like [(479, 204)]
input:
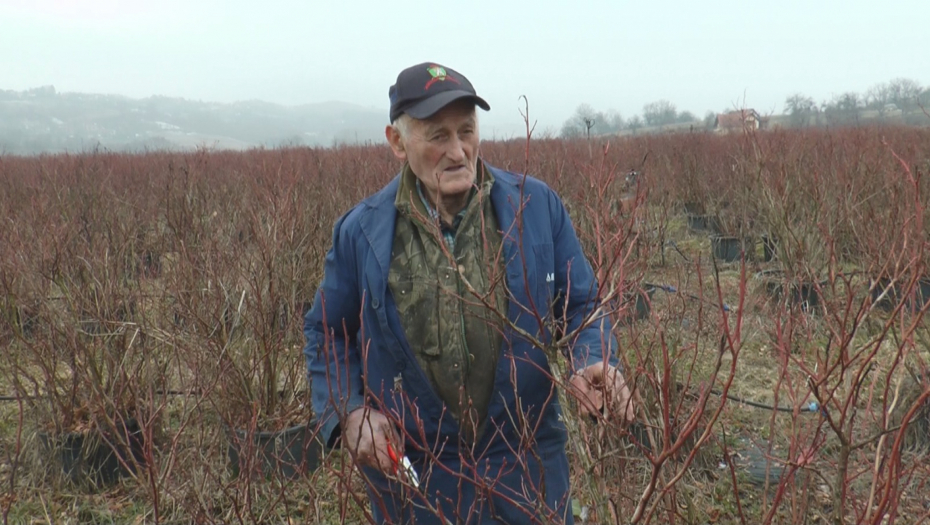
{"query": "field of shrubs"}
[(768, 290)]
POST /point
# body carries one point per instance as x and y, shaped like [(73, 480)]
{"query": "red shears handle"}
[(393, 456)]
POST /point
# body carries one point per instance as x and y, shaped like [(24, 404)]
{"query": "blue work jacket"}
[(357, 353)]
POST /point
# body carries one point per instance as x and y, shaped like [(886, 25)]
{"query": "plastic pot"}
[(694, 208), (704, 223), (94, 458), (756, 463), (803, 294), (638, 302), (289, 453), (887, 295), (725, 248)]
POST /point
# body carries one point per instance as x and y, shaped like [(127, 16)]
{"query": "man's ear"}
[(396, 141)]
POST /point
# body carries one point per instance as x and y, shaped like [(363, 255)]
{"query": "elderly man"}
[(425, 342)]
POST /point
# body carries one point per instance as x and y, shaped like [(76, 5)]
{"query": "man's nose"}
[(456, 149)]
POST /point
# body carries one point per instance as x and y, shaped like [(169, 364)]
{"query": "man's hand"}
[(366, 434), (599, 382)]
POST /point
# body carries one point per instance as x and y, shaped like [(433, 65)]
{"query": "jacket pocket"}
[(417, 302)]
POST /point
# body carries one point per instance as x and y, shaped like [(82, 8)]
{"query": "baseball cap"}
[(424, 89)]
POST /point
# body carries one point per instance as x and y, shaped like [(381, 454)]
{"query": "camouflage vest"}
[(455, 338)]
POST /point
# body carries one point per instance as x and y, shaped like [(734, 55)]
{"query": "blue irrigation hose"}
[(812, 407)]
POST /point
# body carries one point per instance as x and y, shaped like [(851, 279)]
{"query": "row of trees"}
[(587, 122), (887, 98)]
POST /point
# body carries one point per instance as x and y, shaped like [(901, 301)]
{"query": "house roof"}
[(736, 119)]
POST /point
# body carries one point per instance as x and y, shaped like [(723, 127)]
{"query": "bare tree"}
[(903, 92), (686, 116), (588, 124), (613, 120), (844, 108), (799, 107), (659, 112), (577, 124), (877, 96), (709, 119)]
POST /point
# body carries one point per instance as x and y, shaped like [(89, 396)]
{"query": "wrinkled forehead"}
[(454, 115)]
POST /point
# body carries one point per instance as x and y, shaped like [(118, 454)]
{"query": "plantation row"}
[(156, 301)]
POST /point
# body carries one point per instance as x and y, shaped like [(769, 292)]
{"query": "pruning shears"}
[(403, 464)]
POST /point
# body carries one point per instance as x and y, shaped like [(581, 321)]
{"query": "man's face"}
[(443, 150)]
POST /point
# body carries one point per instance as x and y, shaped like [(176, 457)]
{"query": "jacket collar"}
[(380, 217)]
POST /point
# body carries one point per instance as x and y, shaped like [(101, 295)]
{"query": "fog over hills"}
[(42, 120)]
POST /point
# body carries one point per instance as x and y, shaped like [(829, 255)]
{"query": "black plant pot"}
[(95, 458), (704, 223), (887, 295), (727, 249), (638, 303), (803, 295), (288, 454), (756, 463), (694, 208)]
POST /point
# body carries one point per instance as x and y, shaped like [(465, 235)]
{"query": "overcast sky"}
[(700, 55)]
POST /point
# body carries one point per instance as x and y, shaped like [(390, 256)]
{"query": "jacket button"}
[(375, 303)]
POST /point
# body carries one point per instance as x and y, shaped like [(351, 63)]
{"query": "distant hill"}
[(42, 120)]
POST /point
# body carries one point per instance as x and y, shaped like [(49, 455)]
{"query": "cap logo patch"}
[(438, 74)]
